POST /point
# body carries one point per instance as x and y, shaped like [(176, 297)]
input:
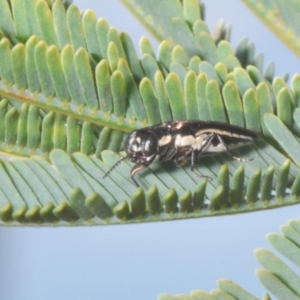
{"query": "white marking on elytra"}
[(221, 148), (217, 148), (165, 140), (189, 140), (239, 144), (181, 141), (199, 142), (224, 133)]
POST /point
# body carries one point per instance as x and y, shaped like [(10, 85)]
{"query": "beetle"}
[(182, 141)]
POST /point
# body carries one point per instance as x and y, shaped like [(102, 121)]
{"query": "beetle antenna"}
[(114, 166)]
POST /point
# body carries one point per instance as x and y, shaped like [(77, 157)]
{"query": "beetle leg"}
[(229, 154), (136, 169), (195, 154), (193, 164), (181, 156), (170, 153)]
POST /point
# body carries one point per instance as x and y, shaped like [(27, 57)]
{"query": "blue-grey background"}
[(141, 261)]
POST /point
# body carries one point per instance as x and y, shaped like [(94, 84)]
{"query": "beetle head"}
[(141, 146)]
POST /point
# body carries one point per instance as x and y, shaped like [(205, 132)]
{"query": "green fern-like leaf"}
[(280, 21), (276, 276), (72, 88)]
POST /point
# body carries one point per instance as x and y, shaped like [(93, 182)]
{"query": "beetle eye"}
[(150, 144)]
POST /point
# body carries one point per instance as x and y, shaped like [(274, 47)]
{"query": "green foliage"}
[(72, 87), (277, 276), (281, 18)]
